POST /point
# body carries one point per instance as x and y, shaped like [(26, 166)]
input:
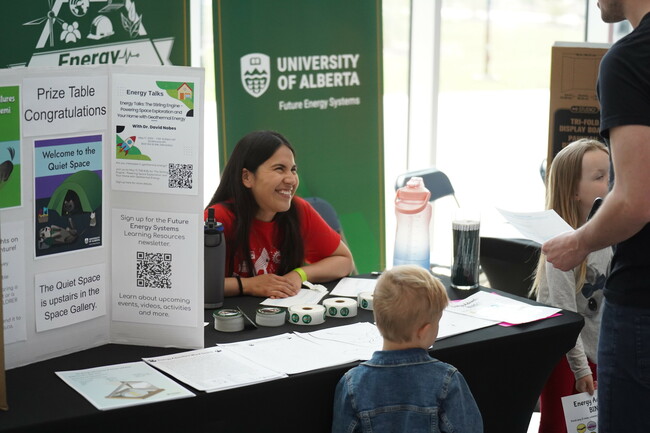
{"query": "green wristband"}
[(303, 275)]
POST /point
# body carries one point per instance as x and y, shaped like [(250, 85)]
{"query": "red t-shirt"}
[(319, 239)]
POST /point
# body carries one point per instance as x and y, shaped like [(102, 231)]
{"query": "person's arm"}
[(562, 294), (625, 211), (339, 264), (265, 285)]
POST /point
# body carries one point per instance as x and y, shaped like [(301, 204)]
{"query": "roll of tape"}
[(228, 320), (340, 307), (365, 300), (307, 314), (270, 316)]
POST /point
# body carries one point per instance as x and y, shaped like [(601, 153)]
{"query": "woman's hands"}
[(272, 286)]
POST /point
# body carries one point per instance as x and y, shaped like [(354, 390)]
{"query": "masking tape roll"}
[(270, 316), (228, 320), (340, 307), (365, 300), (306, 314)]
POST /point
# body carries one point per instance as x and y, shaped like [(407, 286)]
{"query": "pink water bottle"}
[(413, 212)]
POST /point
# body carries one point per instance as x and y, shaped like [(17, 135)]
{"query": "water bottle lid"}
[(213, 227), (413, 197)]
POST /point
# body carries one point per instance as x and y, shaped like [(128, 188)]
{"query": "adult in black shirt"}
[(624, 350)]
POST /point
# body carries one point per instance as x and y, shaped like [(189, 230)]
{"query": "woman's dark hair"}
[(249, 153)]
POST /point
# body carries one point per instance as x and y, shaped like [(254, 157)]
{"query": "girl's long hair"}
[(561, 186), (249, 153)]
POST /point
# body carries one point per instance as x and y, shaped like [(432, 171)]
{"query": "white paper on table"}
[(499, 308), (288, 353), (358, 340), (537, 226), (304, 296), (213, 369), (581, 410), (453, 323), (122, 385), (351, 287)]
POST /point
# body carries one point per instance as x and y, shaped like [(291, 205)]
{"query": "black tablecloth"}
[(505, 368)]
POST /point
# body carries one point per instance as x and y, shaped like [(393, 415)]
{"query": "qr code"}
[(180, 175), (154, 270)]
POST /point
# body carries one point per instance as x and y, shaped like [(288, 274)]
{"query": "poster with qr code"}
[(156, 127), (154, 272)]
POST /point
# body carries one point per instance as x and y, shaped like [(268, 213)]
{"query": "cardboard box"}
[(574, 108)]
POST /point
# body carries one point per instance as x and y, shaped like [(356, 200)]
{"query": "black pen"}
[(246, 317)]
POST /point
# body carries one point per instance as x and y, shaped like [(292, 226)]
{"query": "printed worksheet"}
[(213, 369), (304, 297), (122, 385), (453, 323), (499, 308), (351, 287), (537, 226), (358, 340), (288, 353)]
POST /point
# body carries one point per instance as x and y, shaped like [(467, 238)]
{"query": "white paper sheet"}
[(499, 308), (351, 287), (537, 226), (69, 296), (581, 412), (453, 323), (304, 297), (288, 353), (213, 369), (14, 287), (121, 385), (358, 340)]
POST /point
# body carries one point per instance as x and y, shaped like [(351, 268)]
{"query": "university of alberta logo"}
[(255, 73)]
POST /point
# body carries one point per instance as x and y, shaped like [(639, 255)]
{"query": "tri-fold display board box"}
[(574, 108)]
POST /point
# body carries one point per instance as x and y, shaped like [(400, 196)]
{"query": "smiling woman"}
[(270, 233)]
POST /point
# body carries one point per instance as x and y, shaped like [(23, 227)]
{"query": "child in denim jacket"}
[(402, 388)]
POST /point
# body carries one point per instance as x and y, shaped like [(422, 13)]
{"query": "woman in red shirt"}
[(270, 233)]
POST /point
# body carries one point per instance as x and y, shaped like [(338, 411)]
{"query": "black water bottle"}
[(214, 262)]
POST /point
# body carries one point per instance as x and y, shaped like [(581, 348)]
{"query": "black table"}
[(505, 368)]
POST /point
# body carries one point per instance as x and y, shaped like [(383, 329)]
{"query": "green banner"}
[(311, 70), (93, 32)]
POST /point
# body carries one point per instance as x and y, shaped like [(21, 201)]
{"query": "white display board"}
[(104, 244)]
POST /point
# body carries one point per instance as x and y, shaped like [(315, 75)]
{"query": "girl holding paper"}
[(271, 233), (578, 175)]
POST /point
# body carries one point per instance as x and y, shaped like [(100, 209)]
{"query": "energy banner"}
[(94, 32), (313, 72)]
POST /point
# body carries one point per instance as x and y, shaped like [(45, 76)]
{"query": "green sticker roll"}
[(307, 314), (340, 307)]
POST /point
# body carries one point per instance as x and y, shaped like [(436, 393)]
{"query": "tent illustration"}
[(87, 185)]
